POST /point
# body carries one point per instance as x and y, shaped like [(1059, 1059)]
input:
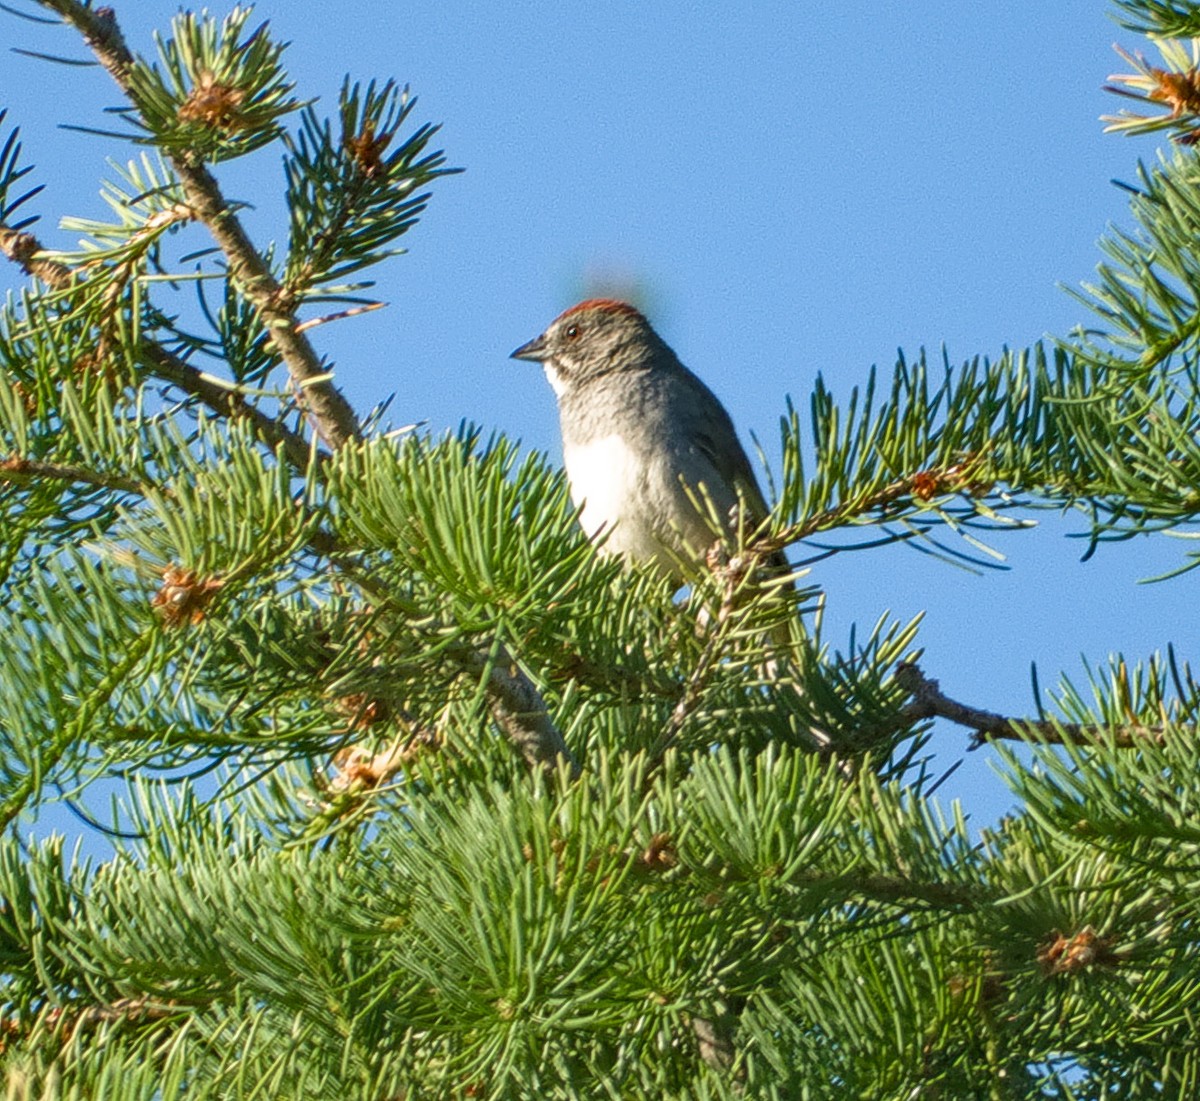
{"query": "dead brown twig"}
[(929, 702)]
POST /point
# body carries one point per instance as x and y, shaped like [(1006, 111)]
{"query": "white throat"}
[(556, 383)]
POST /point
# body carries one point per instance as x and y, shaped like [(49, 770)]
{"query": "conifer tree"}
[(425, 798)]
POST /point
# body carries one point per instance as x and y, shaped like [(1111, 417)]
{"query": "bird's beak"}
[(535, 350)]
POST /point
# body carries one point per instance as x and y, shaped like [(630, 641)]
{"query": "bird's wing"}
[(713, 438), (729, 461), (727, 457)]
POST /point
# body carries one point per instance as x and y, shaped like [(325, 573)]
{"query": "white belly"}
[(622, 502), (604, 476)]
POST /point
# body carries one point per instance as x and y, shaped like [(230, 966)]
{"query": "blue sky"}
[(797, 188)]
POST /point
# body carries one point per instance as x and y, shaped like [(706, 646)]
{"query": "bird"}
[(652, 457)]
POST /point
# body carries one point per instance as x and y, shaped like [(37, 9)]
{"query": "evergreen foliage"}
[(425, 798)]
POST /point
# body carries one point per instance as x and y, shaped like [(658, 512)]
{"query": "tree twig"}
[(519, 710), (228, 402), (693, 688), (924, 485), (17, 469), (929, 702), (25, 250)]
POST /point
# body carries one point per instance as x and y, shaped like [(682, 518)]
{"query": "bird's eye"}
[(572, 332)]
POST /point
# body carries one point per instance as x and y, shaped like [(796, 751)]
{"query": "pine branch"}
[(929, 702), (519, 710), (18, 470), (888, 503), (693, 689), (230, 403), (135, 1010), (75, 731), (332, 416), (1162, 18), (516, 705), (25, 250), (733, 573)]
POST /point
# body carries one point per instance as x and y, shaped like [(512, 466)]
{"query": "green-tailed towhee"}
[(644, 439)]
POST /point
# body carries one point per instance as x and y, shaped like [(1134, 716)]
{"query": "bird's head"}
[(596, 337)]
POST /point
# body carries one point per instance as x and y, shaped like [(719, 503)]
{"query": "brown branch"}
[(332, 415), (228, 402), (928, 702), (24, 249), (693, 688), (519, 710), (72, 1019), (732, 574), (888, 888), (895, 492), (18, 470), (101, 33)]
